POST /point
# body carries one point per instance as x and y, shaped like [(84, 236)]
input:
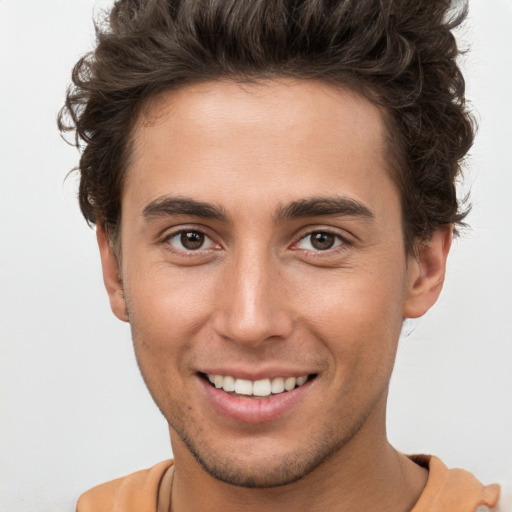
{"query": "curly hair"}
[(399, 54)]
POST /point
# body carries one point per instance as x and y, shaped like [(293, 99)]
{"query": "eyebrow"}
[(323, 206), (312, 207), (165, 206)]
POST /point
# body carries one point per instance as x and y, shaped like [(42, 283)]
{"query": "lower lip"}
[(253, 410)]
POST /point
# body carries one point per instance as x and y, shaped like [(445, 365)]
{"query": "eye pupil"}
[(322, 241), (192, 240)]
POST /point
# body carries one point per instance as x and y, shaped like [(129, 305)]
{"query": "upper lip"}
[(266, 373)]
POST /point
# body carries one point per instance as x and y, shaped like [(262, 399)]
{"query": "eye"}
[(320, 241), (190, 240)]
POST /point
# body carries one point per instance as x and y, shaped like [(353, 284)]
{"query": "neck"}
[(340, 484)]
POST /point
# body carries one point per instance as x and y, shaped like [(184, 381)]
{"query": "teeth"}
[(301, 380), (277, 385), (243, 387), (289, 383), (229, 383), (263, 387)]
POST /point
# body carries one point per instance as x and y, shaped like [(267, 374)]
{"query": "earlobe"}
[(426, 272), (111, 274)]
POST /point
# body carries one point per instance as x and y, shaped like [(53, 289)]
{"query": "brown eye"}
[(322, 241), (189, 241), (192, 240)]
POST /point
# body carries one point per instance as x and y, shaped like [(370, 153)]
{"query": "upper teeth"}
[(263, 387)]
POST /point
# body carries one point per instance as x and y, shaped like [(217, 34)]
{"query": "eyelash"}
[(341, 247), (189, 253)]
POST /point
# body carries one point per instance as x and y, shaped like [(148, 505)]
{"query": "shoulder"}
[(137, 492), (454, 490), (505, 503)]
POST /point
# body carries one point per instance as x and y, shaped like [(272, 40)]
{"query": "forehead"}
[(271, 141)]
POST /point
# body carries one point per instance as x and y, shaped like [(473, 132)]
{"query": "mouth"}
[(259, 401), (262, 388)]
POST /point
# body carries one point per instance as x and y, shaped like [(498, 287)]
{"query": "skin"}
[(260, 294)]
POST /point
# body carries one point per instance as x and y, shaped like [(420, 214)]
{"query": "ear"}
[(111, 274), (426, 271)]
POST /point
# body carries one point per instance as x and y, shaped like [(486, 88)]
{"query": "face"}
[(264, 274)]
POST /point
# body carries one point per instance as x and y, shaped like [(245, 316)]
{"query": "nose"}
[(253, 307)]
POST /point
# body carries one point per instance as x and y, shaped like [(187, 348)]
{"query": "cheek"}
[(358, 315), (165, 312), (167, 302)]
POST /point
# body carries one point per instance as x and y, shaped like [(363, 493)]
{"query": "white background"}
[(74, 410)]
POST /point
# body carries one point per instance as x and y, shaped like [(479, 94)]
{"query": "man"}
[(273, 187)]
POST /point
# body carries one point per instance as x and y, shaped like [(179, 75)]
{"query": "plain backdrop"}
[(74, 410)]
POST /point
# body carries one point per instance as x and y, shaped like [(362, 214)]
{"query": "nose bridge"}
[(252, 308)]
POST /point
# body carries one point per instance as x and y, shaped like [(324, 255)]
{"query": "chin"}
[(258, 474), (250, 467)]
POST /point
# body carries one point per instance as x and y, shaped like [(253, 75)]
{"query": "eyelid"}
[(169, 235), (177, 230), (345, 241)]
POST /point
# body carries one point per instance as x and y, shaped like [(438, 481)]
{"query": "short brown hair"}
[(401, 54)]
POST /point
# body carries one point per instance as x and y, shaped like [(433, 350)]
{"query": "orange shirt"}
[(447, 490)]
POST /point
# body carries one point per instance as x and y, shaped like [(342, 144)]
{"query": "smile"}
[(244, 401), (256, 388)]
